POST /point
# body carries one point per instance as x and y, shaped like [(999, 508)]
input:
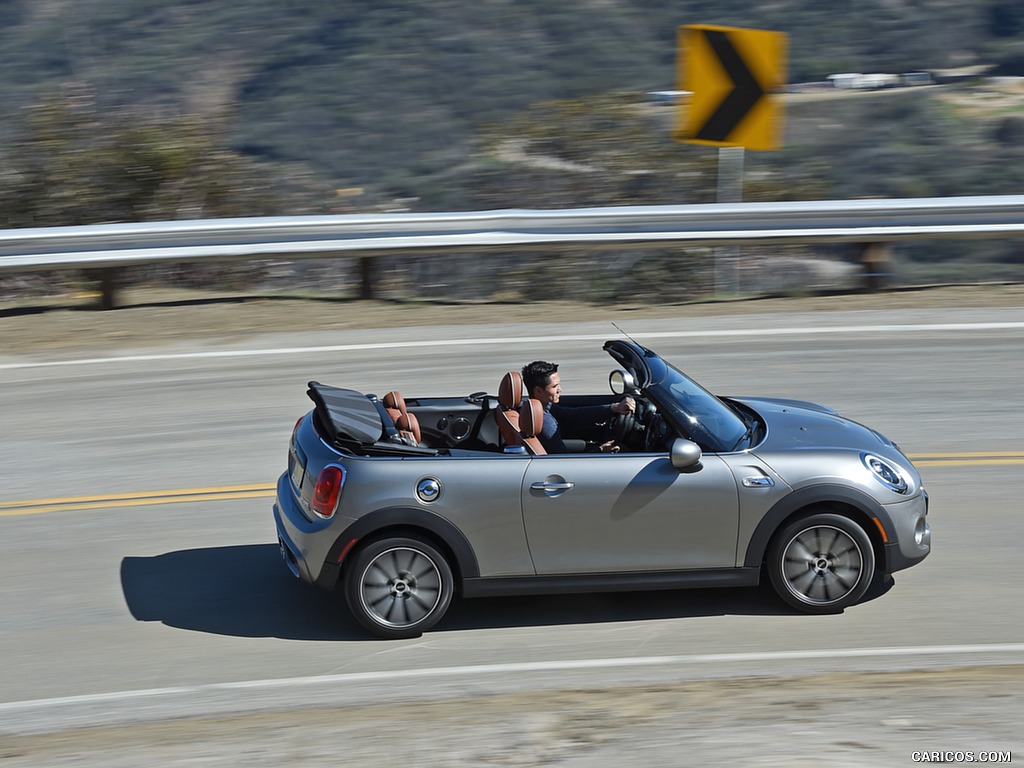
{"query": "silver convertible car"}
[(407, 503)]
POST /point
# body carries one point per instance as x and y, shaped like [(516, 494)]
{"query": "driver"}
[(543, 383)]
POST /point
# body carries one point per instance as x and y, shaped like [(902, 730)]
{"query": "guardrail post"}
[(366, 278), (109, 280), (876, 264)]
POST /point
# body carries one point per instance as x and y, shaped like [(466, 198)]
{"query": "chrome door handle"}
[(551, 487)]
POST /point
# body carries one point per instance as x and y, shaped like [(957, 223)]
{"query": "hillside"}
[(392, 95)]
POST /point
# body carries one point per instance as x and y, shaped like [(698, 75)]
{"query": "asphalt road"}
[(141, 582)]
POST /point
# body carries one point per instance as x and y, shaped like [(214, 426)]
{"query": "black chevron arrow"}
[(740, 100)]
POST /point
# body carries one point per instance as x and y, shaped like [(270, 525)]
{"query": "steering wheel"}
[(655, 433), (628, 429)]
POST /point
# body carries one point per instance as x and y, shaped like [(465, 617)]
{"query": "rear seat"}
[(406, 423)]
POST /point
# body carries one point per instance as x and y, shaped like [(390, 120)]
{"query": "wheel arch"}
[(859, 507), (409, 521)]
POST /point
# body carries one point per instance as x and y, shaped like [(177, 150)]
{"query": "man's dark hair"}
[(538, 374)]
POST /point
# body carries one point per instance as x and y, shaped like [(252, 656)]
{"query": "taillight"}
[(328, 491)]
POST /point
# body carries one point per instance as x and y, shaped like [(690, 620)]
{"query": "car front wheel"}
[(398, 587), (821, 564)]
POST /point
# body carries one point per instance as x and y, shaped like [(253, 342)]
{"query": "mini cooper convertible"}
[(407, 503)]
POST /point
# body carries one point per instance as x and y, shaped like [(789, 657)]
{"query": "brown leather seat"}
[(510, 394), (394, 403), (531, 422), (407, 424), (409, 427)]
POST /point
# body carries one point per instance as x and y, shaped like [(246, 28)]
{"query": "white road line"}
[(504, 341), (515, 668)]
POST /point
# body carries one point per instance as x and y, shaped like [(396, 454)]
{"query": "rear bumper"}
[(304, 544), (287, 519)]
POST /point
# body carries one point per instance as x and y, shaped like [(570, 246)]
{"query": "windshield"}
[(704, 418)]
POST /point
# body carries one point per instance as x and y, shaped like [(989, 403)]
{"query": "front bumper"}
[(913, 535)]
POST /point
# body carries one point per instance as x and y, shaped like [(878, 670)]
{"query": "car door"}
[(629, 512)]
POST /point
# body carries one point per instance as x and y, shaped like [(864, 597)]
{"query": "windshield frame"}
[(697, 413), (715, 426)]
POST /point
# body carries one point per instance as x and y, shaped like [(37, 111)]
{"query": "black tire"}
[(398, 587), (822, 563)]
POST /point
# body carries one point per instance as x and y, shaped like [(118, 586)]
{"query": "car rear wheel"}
[(821, 564), (398, 587)]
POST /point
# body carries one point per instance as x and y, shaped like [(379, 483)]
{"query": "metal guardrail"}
[(868, 222)]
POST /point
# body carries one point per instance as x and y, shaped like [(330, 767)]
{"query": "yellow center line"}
[(972, 459), (975, 455), (968, 462), (112, 500), (265, 490), (145, 495)]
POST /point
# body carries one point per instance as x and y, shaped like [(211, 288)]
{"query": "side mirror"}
[(622, 383), (685, 454)]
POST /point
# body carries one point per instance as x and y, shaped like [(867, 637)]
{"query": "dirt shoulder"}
[(843, 719), (152, 318)]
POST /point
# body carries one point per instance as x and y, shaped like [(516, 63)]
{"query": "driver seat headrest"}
[(531, 422)]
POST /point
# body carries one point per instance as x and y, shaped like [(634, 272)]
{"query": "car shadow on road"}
[(246, 591)]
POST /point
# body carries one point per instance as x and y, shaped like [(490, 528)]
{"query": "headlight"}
[(887, 473)]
